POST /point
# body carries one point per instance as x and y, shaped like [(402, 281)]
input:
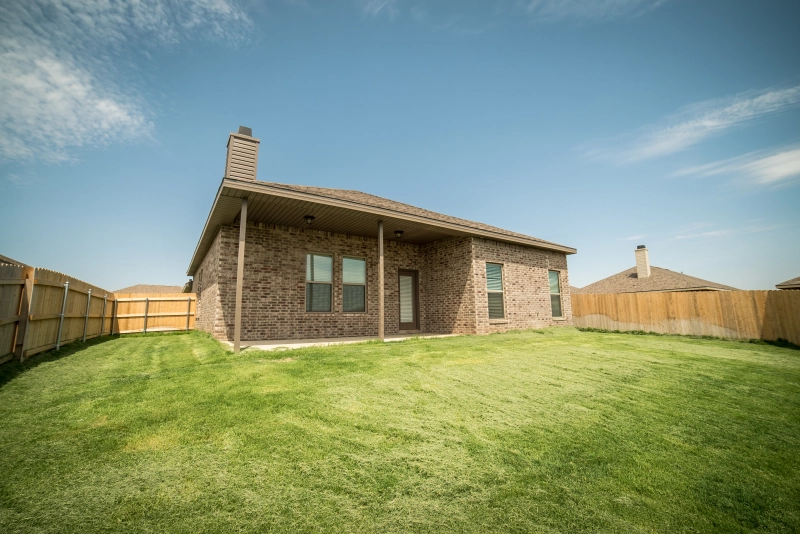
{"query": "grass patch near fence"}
[(554, 430), (780, 342)]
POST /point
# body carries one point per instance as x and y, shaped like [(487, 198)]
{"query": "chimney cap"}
[(244, 130), (641, 246)]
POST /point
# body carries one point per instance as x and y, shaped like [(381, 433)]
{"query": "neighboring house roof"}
[(794, 283), (659, 280), (6, 259), (573, 289), (342, 211), (149, 288)]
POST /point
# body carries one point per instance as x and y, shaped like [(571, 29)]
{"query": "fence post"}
[(114, 316), (188, 311), (103, 320), (146, 305), (86, 316), (25, 308), (61, 318)]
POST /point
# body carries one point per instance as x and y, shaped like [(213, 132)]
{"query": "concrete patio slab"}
[(274, 344)]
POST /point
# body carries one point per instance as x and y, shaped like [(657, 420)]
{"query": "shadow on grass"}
[(782, 343), (10, 370)]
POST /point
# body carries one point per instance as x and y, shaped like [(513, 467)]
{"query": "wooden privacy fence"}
[(767, 315), (42, 309), (154, 312)]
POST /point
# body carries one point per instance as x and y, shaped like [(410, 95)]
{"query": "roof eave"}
[(192, 265), (263, 188), (260, 187)]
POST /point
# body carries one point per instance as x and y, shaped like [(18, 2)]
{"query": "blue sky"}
[(598, 124)]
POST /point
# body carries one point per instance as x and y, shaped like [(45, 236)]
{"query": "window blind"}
[(318, 297), (319, 268), (406, 299), (494, 288), (354, 271), (354, 285), (555, 293), (319, 278)]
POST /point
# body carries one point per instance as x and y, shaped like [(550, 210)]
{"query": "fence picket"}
[(42, 309), (769, 315)]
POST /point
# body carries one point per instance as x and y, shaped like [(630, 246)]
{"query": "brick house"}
[(280, 262)]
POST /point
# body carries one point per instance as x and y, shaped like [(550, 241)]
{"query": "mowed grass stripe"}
[(550, 431)]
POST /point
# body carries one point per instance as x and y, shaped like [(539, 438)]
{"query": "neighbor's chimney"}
[(242, 155), (642, 262)]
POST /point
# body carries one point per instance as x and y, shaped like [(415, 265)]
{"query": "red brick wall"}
[(273, 302), (525, 286), (452, 284), (208, 315), (450, 297)]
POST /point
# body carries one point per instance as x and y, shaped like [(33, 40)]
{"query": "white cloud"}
[(544, 10), (588, 9), (373, 8), (761, 168), (699, 122), (634, 237), (52, 104), (726, 232), (713, 233), (60, 88)]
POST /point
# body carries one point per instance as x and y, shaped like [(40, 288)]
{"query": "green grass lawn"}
[(548, 431)]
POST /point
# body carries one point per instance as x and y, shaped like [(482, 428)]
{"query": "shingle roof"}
[(659, 280), (794, 283), (149, 288), (379, 202), (346, 212), (573, 289)]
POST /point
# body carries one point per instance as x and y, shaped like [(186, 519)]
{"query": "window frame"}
[(504, 318), (560, 293), (305, 286), (365, 284)]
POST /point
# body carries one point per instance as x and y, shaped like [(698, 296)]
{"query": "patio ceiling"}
[(274, 205)]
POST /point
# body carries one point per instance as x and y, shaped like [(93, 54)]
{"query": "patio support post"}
[(380, 282), (237, 321)]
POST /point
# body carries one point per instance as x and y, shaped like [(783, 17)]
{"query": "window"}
[(494, 287), (354, 285), (555, 293), (319, 279)]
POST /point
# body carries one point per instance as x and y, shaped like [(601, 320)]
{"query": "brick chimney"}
[(242, 159), (642, 262)]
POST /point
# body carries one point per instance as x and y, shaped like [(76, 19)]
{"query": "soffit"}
[(269, 205)]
